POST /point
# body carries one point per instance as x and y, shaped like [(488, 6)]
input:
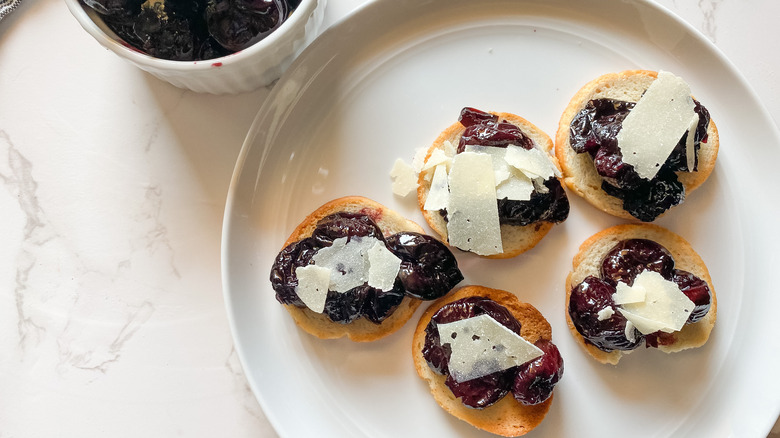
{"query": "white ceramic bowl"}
[(246, 70)]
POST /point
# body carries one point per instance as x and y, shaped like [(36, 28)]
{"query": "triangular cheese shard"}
[(656, 124), (473, 210), (481, 346)]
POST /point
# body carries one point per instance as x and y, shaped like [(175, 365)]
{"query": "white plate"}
[(384, 82)]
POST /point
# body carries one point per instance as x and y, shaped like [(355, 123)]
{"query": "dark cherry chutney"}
[(188, 30), (428, 269), (548, 204), (627, 259), (594, 130), (530, 383)]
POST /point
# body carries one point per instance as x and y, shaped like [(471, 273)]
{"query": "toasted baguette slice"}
[(588, 262), (507, 417), (360, 330), (578, 169), (515, 239)]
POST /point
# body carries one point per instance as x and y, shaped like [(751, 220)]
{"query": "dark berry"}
[(549, 206), (598, 124), (164, 30), (588, 299), (236, 28), (347, 306), (481, 392), (535, 380), (378, 304), (435, 353), (484, 129), (339, 225), (630, 257), (472, 116), (496, 134), (610, 165), (210, 49), (428, 268), (696, 290), (283, 278)]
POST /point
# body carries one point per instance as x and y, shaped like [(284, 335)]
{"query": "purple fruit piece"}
[(535, 380), (630, 257), (428, 268), (588, 299)]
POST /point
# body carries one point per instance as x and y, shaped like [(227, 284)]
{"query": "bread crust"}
[(507, 417), (515, 239), (578, 169), (360, 330), (588, 262)]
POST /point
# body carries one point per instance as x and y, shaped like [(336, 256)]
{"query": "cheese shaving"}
[(404, 178), (605, 313), (656, 124), (481, 346), (534, 163), (473, 212), (439, 193), (312, 286), (665, 307)]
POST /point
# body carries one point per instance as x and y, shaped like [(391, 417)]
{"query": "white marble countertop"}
[(114, 186)]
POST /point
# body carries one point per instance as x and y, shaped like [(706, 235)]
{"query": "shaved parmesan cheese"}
[(404, 178), (437, 157), (482, 346), (473, 211), (439, 193), (419, 159), (643, 324), (349, 261), (500, 167), (383, 267), (347, 258), (665, 307), (629, 331), (534, 163), (312, 286), (449, 149), (656, 124), (517, 188), (605, 313), (627, 295), (690, 149)]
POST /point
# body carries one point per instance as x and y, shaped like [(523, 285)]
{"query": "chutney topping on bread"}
[(523, 193), (371, 269), (511, 402), (593, 163), (610, 266)]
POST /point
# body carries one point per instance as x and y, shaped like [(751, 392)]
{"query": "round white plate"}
[(384, 82)]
